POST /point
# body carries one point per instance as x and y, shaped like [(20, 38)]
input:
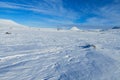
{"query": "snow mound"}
[(74, 29), (5, 23)]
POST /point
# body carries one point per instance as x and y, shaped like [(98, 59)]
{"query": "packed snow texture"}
[(33, 54)]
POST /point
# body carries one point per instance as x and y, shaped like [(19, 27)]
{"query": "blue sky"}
[(52, 13)]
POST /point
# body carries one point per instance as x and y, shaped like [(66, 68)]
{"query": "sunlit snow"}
[(36, 54)]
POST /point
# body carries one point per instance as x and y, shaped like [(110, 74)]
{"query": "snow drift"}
[(32, 54)]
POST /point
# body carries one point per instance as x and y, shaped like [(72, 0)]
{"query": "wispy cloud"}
[(53, 8), (49, 7), (106, 15), (58, 14)]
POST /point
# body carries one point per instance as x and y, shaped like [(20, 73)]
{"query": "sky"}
[(62, 13)]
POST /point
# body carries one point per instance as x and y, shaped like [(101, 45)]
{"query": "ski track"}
[(31, 54)]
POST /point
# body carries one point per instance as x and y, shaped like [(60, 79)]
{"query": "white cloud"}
[(106, 15), (11, 5), (49, 7)]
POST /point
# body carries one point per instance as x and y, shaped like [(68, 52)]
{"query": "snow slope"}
[(5, 23), (33, 54)]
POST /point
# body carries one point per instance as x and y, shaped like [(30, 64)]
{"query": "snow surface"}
[(5, 23), (74, 29), (33, 54)]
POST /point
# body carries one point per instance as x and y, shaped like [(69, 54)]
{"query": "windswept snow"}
[(34, 54)]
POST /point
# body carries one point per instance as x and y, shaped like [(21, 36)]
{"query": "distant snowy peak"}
[(74, 28), (5, 23)]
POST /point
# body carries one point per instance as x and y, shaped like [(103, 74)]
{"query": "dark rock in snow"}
[(88, 46), (7, 33), (116, 27)]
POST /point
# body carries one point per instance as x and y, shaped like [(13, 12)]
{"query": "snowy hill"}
[(5, 23), (74, 29), (33, 54)]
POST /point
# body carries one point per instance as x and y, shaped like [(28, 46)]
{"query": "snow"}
[(74, 28), (5, 23), (36, 54)]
